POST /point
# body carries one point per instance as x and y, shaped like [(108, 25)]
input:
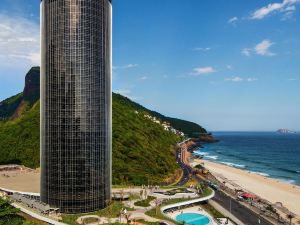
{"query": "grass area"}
[(206, 192), (177, 191), (145, 203), (30, 220), (169, 187), (133, 197), (212, 211), (90, 220), (10, 215), (148, 223), (111, 211), (124, 186), (155, 212)]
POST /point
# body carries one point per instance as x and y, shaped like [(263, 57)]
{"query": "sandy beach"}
[(267, 188)]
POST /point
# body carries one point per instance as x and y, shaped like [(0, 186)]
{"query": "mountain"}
[(14, 106), (143, 150)]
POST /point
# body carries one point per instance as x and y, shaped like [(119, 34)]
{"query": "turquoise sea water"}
[(268, 154), (193, 219)]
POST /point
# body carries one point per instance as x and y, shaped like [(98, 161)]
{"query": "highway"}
[(245, 215), (187, 170)]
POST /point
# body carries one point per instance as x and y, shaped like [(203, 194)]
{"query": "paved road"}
[(186, 170), (241, 212)]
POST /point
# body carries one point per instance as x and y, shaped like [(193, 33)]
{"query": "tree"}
[(6, 210), (278, 216), (127, 217), (290, 217), (157, 202), (122, 194)]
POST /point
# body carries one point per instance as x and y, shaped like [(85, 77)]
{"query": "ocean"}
[(269, 154)]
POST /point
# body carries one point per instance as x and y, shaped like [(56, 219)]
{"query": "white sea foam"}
[(214, 157), (290, 181), (260, 173), (200, 153), (233, 164)]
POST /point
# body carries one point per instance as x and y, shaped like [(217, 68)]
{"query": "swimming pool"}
[(193, 219)]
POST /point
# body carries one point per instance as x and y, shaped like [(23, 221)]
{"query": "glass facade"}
[(76, 104)]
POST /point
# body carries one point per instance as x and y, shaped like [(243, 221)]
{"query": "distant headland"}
[(285, 131)]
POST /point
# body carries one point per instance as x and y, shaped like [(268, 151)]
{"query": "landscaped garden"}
[(145, 202), (112, 211)]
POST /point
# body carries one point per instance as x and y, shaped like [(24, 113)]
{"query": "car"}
[(239, 198)]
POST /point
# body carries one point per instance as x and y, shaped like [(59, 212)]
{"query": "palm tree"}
[(127, 217), (157, 202), (122, 194), (290, 217)]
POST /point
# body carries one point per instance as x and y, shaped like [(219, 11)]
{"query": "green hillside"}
[(142, 150), (189, 128), (9, 106)]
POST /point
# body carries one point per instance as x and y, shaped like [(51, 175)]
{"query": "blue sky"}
[(225, 64)]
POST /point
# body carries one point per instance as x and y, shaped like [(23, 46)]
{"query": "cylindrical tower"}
[(76, 104)]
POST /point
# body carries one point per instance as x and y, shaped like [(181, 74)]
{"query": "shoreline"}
[(197, 151), (267, 188)]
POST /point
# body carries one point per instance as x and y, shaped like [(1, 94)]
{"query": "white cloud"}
[(123, 91), (292, 79), (240, 79), (203, 71), (233, 20), (144, 78), (246, 51), (127, 93), (287, 7), (262, 48), (229, 67), (19, 41), (202, 49), (250, 79), (130, 66), (234, 79)]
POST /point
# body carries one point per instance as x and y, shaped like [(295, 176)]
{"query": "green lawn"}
[(212, 211), (145, 203), (155, 212)]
